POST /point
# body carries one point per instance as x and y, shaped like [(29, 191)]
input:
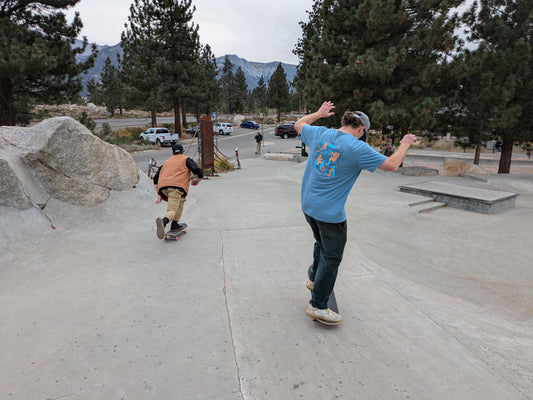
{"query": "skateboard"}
[(332, 305), (174, 235)]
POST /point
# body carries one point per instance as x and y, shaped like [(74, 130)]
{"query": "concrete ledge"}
[(278, 156), (418, 171), (463, 197), (284, 157)]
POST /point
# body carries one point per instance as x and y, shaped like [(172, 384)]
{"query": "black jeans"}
[(330, 240)]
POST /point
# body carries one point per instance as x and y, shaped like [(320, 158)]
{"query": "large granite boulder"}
[(61, 159), (455, 167)]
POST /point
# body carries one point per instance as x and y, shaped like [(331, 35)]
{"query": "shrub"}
[(106, 131), (87, 121), (224, 164), (126, 136)]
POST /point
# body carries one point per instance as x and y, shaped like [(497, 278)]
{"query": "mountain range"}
[(252, 70)]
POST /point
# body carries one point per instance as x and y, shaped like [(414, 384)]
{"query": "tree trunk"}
[(404, 131), (197, 113), (477, 155), (153, 116), (7, 110), (177, 125), (506, 154), (184, 114), (279, 114)]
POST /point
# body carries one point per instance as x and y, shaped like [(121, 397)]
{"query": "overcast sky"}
[(261, 31)]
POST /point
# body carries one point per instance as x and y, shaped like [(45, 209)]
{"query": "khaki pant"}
[(258, 148), (176, 201)]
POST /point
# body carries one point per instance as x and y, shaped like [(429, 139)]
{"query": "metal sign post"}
[(262, 129), (214, 117)]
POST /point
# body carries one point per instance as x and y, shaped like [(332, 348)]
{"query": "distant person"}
[(336, 158), (498, 145), (258, 140), (172, 184)]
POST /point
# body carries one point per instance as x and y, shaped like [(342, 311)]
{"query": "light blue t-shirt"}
[(334, 164)]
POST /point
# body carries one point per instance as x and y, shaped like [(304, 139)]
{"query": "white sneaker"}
[(326, 316)]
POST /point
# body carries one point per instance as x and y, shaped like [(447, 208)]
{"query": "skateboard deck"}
[(174, 235), (332, 305)]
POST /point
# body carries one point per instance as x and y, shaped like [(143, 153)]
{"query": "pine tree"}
[(111, 87), (37, 59), (241, 90), (498, 78), (178, 39), (227, 84), (384, 57), (142, 62), (260, 94), (95, 92), (160, 46), (205, 86), (278, 90)]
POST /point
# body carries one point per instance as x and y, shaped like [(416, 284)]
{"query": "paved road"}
[(242, 139)]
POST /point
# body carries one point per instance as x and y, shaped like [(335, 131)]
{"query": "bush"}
[(126, 136), (106, 132), (87, 121), (224, 164)]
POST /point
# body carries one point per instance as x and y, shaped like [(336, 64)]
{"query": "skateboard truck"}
[(174, 235)]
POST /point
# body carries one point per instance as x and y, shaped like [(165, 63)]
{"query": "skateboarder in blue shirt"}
[(336, 158)]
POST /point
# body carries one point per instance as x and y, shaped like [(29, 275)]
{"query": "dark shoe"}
[(175, 226), (160, 228)]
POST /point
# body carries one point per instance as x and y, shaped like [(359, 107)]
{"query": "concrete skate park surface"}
[(435, 306)]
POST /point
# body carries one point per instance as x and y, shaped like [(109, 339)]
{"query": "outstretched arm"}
[(393, 162), (323, 112)]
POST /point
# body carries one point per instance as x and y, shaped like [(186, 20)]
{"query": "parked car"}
[(250, 124), (222, 128), (193, 131), (286, 130), (159, 136)]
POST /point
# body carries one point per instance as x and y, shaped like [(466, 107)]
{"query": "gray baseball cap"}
[(364, 119)]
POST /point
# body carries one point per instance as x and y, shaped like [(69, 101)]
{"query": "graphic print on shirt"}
[(326, 161)]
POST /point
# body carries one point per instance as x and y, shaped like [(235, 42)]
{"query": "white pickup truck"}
[(159, 136)]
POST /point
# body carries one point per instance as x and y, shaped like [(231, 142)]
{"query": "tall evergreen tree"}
[(501, 68), (95, 92), (162, 41), (111, 87), (37, 58), (205, 91), (178, 38), (278, 90), (227, 84), (142, 63), (241, 90), (260, 94), (382, 56)]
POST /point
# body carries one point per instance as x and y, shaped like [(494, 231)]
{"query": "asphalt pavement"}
[(435, 306)]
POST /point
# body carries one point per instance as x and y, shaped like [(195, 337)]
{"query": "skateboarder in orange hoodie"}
[(172, 184)]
